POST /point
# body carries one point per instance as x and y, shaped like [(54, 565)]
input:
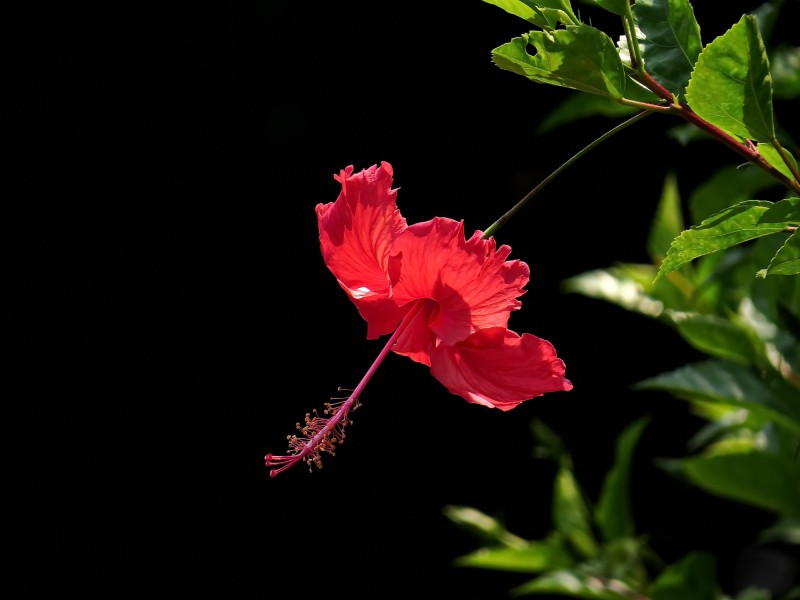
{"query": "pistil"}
[(322, 434)]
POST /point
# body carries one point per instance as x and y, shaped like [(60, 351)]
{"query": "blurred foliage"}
[(728, 284)]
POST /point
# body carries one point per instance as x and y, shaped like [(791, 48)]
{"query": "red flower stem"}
[(311, 445), (748, 151)]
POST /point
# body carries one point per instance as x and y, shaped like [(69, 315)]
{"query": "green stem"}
[(502, 220), (629, 25)]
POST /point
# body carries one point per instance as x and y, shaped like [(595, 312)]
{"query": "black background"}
[(182, 318)]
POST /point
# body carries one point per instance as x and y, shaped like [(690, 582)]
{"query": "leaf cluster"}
[(728, 283)]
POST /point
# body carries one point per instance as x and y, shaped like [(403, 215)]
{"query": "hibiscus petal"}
[(418, 341), (356, 234), (473, 283), (498, 368)]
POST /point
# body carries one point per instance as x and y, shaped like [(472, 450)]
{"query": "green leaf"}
[(613, 512), (578, 57), (753, 593), (731, 86), (549, 554), (773, 157), (581, 106), (571, 515), (482, 526), (549, 444), (542, 13), (715, 336), (616, 288), (739, 223), (691, 578), (755, 478), (727, 384), (785, 530), (785, 69), (786, 261), (576, 585), (668, 221), (515, 7), (669, 37), (726, 187), (618, 7)]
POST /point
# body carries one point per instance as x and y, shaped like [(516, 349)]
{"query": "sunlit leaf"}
[(669, 37), (515, 7), (542, 13), (537, 556), (726, 187), (727, 384), (731, 86), (615, 288), (787, 260), (668, 221), (580, 57), (691, 578), (571, 515), (743, 221), (714, 335), (773, 157), (482, 526), (576, 585), (756, 478), (613, 512)]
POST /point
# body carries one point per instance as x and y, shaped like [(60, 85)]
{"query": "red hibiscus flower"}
[(445, 299)]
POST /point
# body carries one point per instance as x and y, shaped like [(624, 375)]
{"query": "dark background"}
[(182, 319)]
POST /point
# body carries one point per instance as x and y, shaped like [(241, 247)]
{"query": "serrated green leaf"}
[(517, 8), (575, 584), (726, 187), (537, 556), (731, 86), (787, 260), (726, 384), (739, 223), (668, 221), (785, 69), (773, 157), (613, 512), (691, 578), (715, 336), (542, 13), (579, 57), (571, 515), (756, 478), (669, 37)]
